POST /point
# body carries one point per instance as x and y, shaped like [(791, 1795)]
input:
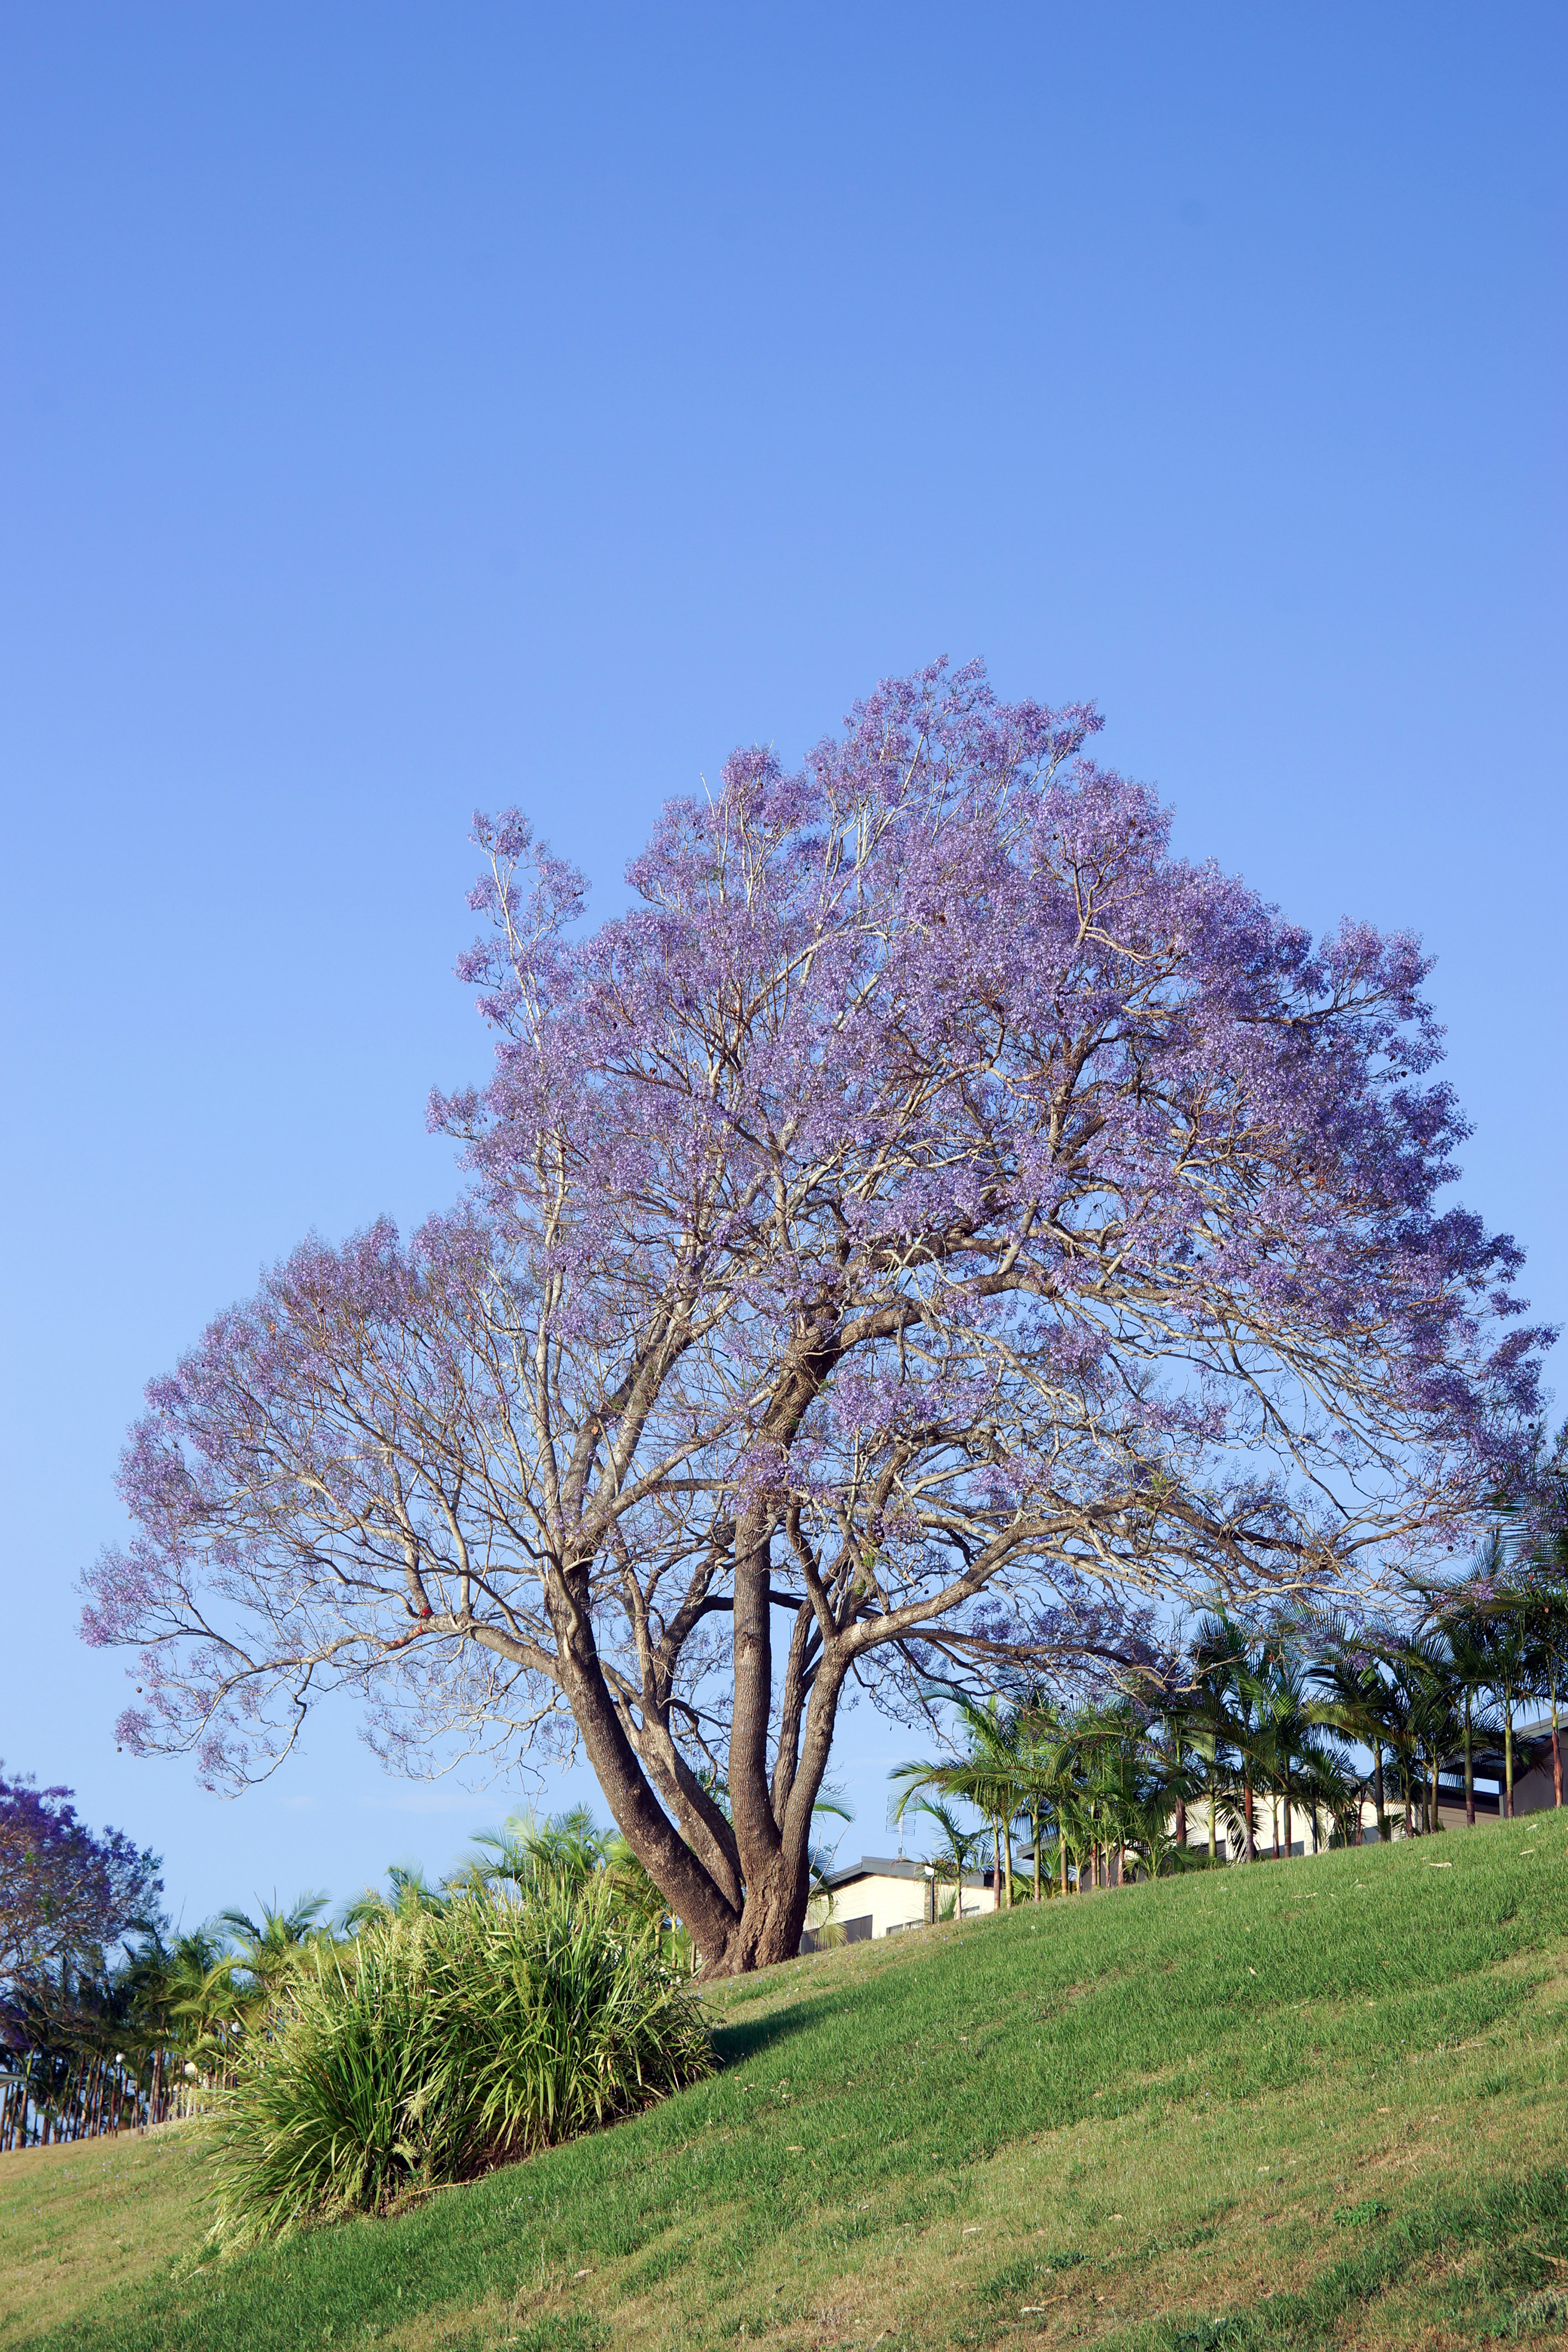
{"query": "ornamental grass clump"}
[(438, 2043)]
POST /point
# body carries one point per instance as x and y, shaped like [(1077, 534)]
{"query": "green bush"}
[(440, 2042)]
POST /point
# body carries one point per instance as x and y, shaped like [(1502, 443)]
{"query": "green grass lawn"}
[(1315, 2102)]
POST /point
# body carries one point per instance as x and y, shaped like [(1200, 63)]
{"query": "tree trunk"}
[(1508, 1750), (1469, 1775), (1379, 1798), (1556, 1749), (769, 1928), (1250, 1848), (1038, 1890)]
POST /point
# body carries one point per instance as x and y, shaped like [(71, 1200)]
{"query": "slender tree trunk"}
[(1251, 1844), (1038, 1890), (1556, 1749), (1508, 1750), (1062, 1853), (1007, 1859), (1379, 1797), (1290, 1820), (1469, 1775)]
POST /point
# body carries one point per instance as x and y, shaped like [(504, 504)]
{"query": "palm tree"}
[(1355, 1698), (1042, 1758), (1533, 1536), (1333, 1788), (524, 1852), (960, 1843), (1287, 1741), (163, 1986), (1543, 1590), (1222, 1719), (1471, 1667), (1502, 1635), (408, 1891), (988, 1775), (1180, 1710)]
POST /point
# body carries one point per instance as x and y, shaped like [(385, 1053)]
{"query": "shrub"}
[(438, 2043)]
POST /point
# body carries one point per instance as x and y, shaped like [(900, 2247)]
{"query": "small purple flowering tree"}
[(67, 1895), (935, 1222)]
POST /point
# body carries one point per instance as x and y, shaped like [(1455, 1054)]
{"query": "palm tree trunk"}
[(1289, 1819), (1008, 1858), (1251, 1846), (1061, 1849), (1034, 1823), (1379, 1799), (1469, 1775), (1556, 1750), (1508, 1750)]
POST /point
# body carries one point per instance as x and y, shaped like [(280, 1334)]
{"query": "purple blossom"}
[(67, 1894)]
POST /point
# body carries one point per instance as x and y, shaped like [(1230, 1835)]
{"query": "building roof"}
[(1531, 1747), (876, 1866)]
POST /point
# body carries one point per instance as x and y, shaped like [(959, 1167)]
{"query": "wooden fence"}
[(48, 2097)]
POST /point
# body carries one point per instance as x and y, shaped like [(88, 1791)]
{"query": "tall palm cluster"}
[(157, 2035), (1276, 1735)]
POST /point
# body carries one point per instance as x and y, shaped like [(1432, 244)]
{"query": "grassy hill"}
[(1316, 2102)]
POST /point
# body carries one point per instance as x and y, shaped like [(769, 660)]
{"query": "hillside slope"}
[(1319, 2102)]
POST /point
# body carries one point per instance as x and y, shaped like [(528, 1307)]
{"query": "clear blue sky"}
[(403, 410)]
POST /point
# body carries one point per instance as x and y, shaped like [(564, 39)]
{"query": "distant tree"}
[(988, 1772), (935, 1219), (959, 1845), (1354, 1697), (1540, 1577), (408, 1890), (566, 1847), (68, 1894), (265, 1954), (1218, 1664)]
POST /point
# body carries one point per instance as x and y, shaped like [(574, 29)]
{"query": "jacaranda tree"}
[(68, 1894), (935, 1218)]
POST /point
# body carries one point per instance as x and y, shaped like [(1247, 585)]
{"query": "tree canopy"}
[(937, 1222), (68, 1894)]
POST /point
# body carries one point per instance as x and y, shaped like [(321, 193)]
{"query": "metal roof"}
[(876, 1866)]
